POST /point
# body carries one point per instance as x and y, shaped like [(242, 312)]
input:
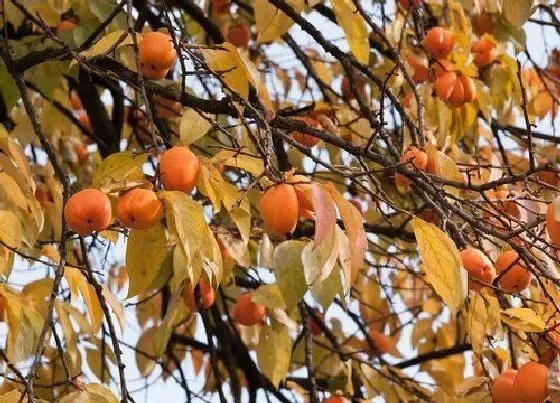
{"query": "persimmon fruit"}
[(419, 69), (439, 42), (306, 139), (382, 342), (419, 159), (66, 26), (552, 225), (157, 54), (139, 209), (531, 384), (43, 195), (479, 267), (502, 387), (81, 153), (517, 277), (88, 210), (247, 312), (455, 88), (482, 24), (335, 399), (484, 51), (207, 295), (239, 35), (279, 210), (179, 168)]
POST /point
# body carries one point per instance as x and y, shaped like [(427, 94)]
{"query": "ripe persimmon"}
[(482, 24), (166, 108), (43, 195), (439, 42), (479, 267), (408, 99), (156, 49), (502, 387), (88, 210), (207, 295), (517, 277), (420, 160), (419, 68), (385, 344), (279, 209), (239, 35), (441, 67), (302, 187), (531, 383), (308, 140), (153, 74), (484, 51), (552, 225), (455, 88), (75, 100), (247, 312), (179, 169), (67, 25), (139, 209)]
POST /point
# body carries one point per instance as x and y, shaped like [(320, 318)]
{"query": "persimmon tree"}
[(291, 200)]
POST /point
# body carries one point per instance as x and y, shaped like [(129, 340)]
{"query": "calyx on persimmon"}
[(88, 210), (139, 209)]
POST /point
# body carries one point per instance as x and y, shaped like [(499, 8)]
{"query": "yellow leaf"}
[(193, 126), (270, 296), (288, 266), (517, 12), (318, 261), (523, 319), (238, 208), (253, 165), (354, 27), (78, 283), (271, 22), (477, 323), (442, 263), (10, 230), (100, 394), (15, 396), (145, 251), (107, 42), (115, 305), (208, 184), (118, 169), (274, 352), (145, 352)]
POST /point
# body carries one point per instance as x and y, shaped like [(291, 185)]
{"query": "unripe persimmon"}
[(207, 295), (482, 24), (279, 209), (139, 209), (531, 383), (479, 267), (75, 100), (455, 88), (247, 312), (156, 51), (88, 210), (239, 35), (335, 399), (502, 387), (552, 225), (484, 51), (179, 169), (308, 140), (419, 68), (439, 42), (66, 26), (517, 277), (419, 159)]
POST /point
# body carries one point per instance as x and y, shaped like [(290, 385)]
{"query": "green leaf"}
[(145, 251), (274, 352), (193, 126), (354, 27), (442, 263), (119, 170), (288, 266), (270, 296), (10, 230)]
